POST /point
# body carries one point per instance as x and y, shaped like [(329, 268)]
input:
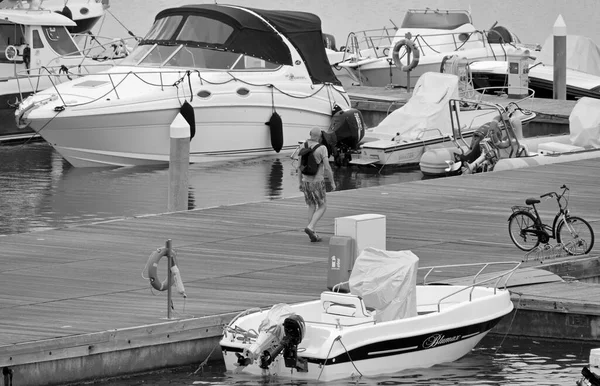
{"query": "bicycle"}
[(527, 231)]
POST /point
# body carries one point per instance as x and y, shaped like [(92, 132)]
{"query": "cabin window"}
[(11, 35), (60, 40), (203, 30), (37, 40), (164, 29)]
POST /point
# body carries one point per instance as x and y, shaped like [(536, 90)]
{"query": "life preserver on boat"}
[(411, 48), (496, 133), (276, 128), (153, 269)]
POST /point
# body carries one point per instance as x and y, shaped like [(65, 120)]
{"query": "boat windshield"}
[(435, 19), (194, 57), (61, 41), (194, 41)]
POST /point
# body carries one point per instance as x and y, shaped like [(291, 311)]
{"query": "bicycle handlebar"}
[(550, 194)]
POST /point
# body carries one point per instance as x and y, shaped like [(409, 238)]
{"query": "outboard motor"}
[(293, 327), (345, 132)]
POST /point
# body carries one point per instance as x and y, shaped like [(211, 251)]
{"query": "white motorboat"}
[(399, 56), (386, 324), (85, 13), (37, 52), (249, 82), (582, 73), (423, 123), (501, 145)]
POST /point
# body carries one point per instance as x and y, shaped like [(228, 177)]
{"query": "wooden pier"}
[(75, 304)]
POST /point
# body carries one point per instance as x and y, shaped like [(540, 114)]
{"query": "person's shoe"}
[(312, 235), (317, 239)]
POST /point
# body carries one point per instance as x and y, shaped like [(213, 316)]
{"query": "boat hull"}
[(133, 127), (382, 73), (335, 351)]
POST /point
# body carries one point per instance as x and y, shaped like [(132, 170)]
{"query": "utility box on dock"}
[(341, 259), (352, 235), (518, 76)]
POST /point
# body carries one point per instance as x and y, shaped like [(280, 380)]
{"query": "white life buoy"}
[(153, 269), (411, 48), (11, 53)]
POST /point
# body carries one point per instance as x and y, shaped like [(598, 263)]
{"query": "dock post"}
[(169, 277), (179, 163), (560, 59)]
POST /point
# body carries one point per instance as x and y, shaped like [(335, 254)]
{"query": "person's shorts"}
[(314, 192)]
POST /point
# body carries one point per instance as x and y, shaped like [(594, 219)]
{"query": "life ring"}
[(11, 53), (496, 134), (153, 269), (411, 49)]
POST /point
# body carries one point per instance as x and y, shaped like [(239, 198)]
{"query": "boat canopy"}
[(239, 30)]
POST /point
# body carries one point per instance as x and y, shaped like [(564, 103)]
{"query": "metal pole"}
[(560, 59), (169, 277)]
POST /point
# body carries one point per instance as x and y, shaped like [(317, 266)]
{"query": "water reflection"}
[(496, 361), (40, 190)]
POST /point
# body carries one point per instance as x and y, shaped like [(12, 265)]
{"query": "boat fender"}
[(411, 49), (187, 112), (276, 127), (153, 269), (496, 134)]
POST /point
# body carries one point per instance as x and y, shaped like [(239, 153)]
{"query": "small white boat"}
[(501, 145), (582, 73), (423, 123), (386, 324), (399, 56), (249, 83), (38, 51)]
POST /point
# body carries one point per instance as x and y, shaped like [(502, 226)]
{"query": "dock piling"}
[(560, 59)]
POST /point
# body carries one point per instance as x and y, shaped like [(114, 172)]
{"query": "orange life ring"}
[(153, 270), (411, 48)]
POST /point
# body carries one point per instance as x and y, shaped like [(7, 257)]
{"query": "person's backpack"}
[(308, 162)]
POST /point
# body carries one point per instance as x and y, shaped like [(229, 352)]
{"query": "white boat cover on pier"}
[(426, 109), (386, 281), (582, 54), (584, 123)]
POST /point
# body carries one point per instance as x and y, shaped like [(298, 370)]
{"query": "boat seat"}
[(347, 309)]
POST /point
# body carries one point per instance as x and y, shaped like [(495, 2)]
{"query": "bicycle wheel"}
[(576, 235), (521, 228)]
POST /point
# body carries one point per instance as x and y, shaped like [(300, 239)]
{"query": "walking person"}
[(313, 185)]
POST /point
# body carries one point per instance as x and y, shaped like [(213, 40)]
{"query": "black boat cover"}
[(254, 37)]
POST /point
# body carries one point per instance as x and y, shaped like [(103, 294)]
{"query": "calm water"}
[(495, 362), (39, 190)]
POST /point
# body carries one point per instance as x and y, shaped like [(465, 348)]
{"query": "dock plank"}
[(89, 278)]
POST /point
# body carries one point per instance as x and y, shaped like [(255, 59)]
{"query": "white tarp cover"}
[(582, 54), (426, 109), (584, 123), (386, 281)]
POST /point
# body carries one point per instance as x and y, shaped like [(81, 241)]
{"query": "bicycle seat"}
[(531, 201)]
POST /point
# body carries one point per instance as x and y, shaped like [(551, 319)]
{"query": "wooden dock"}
[(75, 297)]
